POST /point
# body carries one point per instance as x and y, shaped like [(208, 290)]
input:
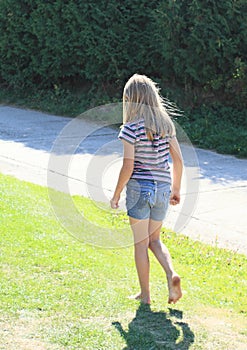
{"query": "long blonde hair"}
[(142, 100)]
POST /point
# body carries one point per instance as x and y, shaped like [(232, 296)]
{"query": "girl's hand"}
[(114, 202), (175, 197)]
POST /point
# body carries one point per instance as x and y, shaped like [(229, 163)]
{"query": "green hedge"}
[(204, 46), (55, 41), (196, 46)]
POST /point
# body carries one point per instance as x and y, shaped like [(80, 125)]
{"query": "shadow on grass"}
[(151, 330)]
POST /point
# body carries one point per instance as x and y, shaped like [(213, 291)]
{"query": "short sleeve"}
[(127, 133), (170, 137)]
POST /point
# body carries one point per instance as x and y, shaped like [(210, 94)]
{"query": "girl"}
[(148, 136)]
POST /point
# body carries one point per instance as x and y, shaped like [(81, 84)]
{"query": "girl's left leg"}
[(141, 243), (163, 256)]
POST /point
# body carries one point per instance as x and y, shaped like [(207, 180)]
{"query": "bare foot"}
[(175, 292), (143, 299)]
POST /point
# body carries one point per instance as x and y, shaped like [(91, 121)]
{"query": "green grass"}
[(219, 128), (60, 293), (55, 101)]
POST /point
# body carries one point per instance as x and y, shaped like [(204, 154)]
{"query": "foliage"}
[(219, 128), (198, 46), (65, 56), (204, 49), (51, 42)]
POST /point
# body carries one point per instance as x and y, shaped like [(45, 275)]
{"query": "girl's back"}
[(151, 156)]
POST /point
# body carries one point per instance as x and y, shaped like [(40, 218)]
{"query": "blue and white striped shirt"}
[(151, 157)]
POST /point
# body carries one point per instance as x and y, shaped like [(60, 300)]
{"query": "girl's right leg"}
[(141, 243), (163, 256)]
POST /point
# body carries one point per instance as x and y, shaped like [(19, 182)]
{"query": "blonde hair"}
[(142, 100)]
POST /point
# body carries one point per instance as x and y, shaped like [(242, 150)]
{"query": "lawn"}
[(61, 293)]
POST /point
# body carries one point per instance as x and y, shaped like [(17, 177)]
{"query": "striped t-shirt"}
[(151, 157)]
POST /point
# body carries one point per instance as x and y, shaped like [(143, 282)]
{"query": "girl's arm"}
[(177, 161), (125, 172)]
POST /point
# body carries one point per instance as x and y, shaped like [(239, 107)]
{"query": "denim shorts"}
[(147, 199)]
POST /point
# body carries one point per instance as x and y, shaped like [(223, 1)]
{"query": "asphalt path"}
[(83, 157)]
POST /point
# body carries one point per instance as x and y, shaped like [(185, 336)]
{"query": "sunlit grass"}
[(74, 295)]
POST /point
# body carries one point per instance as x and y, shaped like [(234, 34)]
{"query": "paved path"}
[(34, 145)]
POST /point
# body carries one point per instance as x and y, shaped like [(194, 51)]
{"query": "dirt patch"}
[(219, 329), (212, 329), (23, 334)]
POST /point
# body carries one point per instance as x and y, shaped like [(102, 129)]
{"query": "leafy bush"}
[(198, 46), (222, 129), (41, 42), (51, 42), (204, 49), (68, 55)]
